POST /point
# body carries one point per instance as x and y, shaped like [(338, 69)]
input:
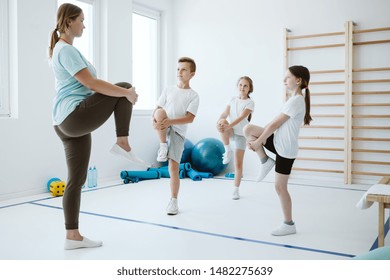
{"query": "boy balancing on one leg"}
[(176, 108)]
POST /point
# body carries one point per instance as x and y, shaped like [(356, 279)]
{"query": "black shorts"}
[(282, 165)]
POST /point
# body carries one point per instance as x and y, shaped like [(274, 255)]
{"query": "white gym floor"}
[(133, 225)]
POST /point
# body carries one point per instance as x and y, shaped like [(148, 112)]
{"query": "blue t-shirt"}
[(66, 62)]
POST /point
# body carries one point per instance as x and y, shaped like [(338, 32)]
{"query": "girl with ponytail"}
[(280, 137)]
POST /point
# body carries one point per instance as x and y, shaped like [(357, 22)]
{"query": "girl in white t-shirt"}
[(280, 137), (239, 110)]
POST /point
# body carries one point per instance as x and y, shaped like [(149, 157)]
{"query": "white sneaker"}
[(236, 193), (162, 154), (265, 169), (227, 157), (284, 229), (117, 150), (172, 208), (85, 243)]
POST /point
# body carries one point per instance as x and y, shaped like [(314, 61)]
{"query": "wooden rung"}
[(371, 127), (370, 92), (315, 47), (321, 137), (370, 139), (370, 81), (370, 162), (322, 149), (328, 105), (371, 30), (371, 116), (369, 173), (370, 69), (323, 126), (327, 83), (370, 151), (326, 71), (317, 170), (325, 93), (370, 104), (314, 35), (327, 116), (321, 159), (371, 42)]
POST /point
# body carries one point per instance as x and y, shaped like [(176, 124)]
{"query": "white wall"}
[(30, 151), (229, 39)]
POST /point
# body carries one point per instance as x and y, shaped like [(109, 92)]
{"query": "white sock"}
[(227, 148), (163, 144)]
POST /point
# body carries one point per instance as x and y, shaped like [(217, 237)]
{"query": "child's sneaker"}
[(284, 229), (227, 157), (172, 208), (265, 169), (236, 193), (162, 154)]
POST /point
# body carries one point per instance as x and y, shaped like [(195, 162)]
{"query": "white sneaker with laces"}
[(162, 154), (172, 208), (265, 169), (227, 157), (85, 243), (236, 193), (284, 229), (117, 150)]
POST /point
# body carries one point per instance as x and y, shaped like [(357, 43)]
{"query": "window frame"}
[(5, 94), (157, 15)]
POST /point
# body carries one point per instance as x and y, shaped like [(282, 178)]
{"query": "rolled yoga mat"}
[(131, 180), (165, 173), (150, 174), (205, 174), (194, 175), (183, 166)]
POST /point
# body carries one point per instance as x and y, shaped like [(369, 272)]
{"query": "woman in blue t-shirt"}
[(82, 104), (280, 137)]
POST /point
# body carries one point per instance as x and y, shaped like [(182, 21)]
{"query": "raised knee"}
[(160, 114), (247, 129), (223, 121)]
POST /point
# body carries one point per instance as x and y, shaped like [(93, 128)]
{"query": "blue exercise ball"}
[(207, 156), (186, 156)]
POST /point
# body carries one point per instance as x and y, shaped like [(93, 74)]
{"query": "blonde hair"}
[(66, 12)]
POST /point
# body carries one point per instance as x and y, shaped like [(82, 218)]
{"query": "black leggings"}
[(75, 134)]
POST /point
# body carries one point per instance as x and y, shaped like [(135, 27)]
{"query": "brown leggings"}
[(75, 134)]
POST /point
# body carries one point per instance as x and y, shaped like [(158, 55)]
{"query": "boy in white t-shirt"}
[(280, 137), (176, 108)]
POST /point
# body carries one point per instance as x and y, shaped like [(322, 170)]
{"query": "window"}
[(4, 61), (86, 42), (146, 55)]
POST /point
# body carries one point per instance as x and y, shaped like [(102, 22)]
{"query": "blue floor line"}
[(205, 233), (386, 230)]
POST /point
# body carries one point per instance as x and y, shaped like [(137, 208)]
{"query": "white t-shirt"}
[(237, 106), (177, 102), (286, 136)]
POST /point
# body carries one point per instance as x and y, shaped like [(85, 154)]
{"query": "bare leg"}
[(238, 166), (251, 133), (281, 182), (225, 135), (160, 115), (175, 180)]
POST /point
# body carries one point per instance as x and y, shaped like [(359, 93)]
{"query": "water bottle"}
[(94, 176), (90, 178)]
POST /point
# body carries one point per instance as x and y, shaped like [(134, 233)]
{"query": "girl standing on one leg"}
[(239, 111), (280, 137)]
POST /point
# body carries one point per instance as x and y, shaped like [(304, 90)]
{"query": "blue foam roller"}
[(150, 174), (205, 174), (165, 173), (131, 180), (229, 175), (194, 175), (183, 166)]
